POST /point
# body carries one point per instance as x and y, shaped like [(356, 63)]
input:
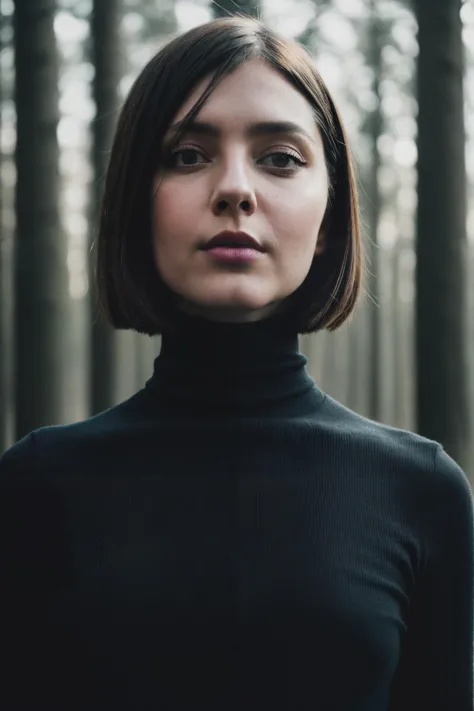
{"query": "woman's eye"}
[(184, 157), (283, 160)]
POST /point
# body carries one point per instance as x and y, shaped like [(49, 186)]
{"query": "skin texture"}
[(241, 181)]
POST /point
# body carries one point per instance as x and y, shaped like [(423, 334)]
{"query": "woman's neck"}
[(236, 367)]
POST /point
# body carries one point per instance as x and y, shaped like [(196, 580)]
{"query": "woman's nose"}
[(234, 192)]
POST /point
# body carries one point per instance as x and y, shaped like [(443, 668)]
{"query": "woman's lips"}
[(234, 254)]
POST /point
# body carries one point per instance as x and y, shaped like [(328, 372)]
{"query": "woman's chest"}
[(236, 560)]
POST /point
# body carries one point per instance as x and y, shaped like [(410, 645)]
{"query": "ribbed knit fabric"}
[(233, 538)]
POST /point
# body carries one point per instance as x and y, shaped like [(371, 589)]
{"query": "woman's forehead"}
[(254, 92)]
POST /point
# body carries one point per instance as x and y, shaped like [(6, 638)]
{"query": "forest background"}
[(402, 73)]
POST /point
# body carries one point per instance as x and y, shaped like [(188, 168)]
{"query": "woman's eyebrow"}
[(260, 128)]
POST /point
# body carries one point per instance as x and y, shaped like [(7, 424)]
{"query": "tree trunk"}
[(397, 373), (373, 212), (41, 277), (441, 343), (113, 352), (6, 341), (160, 23), (225, 8), (4, 300), (6, 321)]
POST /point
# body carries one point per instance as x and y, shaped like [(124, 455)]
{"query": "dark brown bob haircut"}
[(131, 293)]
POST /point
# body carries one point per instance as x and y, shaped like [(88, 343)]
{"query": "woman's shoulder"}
[(52, 442), (355, 426), (395, 447)]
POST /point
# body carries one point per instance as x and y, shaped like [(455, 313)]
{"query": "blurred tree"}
[(113, 352), (224, 8), (6, 297), (158, 21), (310, 36), (42, 355), (159, 25), (377, 36), (106, 60), (442, 368)]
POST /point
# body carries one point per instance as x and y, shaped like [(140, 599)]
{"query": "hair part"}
[(131, 292)]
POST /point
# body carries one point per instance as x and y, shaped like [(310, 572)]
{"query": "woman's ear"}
[(323, 232), (321, 243)]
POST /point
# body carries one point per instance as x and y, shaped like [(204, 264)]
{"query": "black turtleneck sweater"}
[(233, 538)]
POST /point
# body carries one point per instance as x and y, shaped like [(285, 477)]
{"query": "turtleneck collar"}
[(252, 369)]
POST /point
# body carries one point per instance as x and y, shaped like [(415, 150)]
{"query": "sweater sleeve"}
[(435, 670), (29, 555)]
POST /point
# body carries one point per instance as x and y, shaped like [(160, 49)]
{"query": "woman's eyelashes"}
[(283, 156), (281, 160)]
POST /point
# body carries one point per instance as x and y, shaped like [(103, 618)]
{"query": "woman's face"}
[(253, 163)]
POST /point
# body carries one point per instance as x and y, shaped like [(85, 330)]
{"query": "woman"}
[(230, 536)]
